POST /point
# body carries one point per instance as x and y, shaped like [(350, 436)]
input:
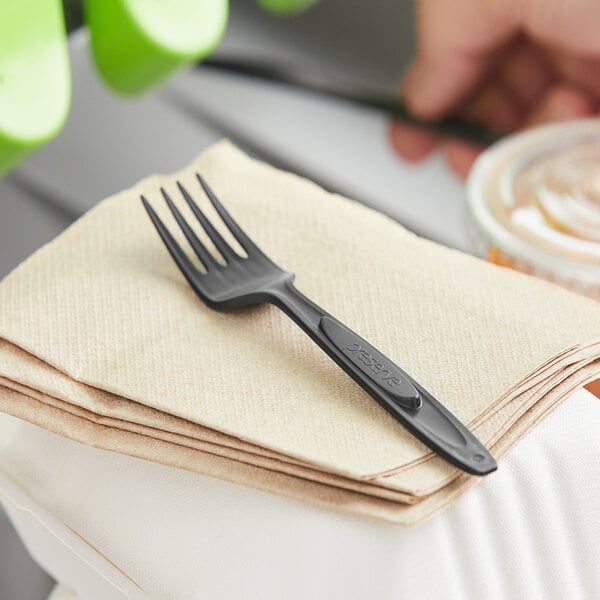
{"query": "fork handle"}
[(403, 397)]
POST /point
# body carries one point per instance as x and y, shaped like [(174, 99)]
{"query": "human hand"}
[(509, 64)]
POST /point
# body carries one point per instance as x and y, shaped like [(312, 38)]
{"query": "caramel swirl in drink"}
[(534, 202)]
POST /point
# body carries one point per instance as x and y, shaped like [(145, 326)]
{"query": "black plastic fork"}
[(241, 281)]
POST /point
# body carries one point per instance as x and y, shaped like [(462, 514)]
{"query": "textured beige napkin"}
[(103, 341)]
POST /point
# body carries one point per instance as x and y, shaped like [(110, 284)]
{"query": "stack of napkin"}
[(103, 341)]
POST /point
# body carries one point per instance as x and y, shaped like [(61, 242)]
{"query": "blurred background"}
[(109, 142)]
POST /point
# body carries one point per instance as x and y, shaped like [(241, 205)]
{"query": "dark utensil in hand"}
[(394, 106), (254, 279)]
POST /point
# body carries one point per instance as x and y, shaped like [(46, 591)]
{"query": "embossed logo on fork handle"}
[(372, 363)]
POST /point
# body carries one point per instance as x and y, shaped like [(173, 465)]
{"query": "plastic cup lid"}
[(536, 197)]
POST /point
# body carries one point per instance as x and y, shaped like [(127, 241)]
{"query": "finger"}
[(461, 156), (495, 105), (451, 60), (526, 73), (560, 103), (411, 142), (571, 25), (581, 71)]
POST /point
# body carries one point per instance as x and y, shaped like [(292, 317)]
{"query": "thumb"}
[(457, 44)]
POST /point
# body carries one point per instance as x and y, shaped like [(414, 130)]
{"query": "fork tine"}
[(247, 244), (199, 248), (224, 248), (183, 262)]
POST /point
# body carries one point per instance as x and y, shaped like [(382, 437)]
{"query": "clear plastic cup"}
[(534, 204)]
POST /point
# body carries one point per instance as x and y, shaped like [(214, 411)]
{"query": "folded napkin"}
[(103, 341)]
